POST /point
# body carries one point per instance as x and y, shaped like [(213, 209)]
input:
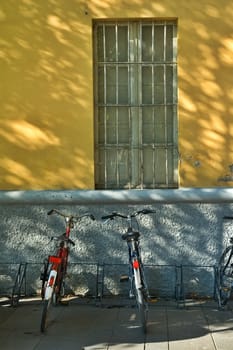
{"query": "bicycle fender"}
[(50, 284), (137, 278)]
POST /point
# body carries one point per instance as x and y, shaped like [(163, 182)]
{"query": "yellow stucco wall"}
[(46, 89)]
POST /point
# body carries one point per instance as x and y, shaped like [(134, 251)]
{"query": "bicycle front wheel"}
[(142, 309), (44, 317), (142, 300), (48, 297), (224, 278)]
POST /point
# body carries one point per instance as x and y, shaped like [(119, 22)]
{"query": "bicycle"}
[(224, 274), (55, 266), (137, 281)]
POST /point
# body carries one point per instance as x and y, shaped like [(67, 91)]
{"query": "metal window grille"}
[(135, 104)]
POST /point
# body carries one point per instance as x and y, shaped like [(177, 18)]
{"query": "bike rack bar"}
[(100, 282), (101, 271), (20, 278), (179, 288), (182, 291)]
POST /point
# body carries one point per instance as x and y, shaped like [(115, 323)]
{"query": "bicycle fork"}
[(139, 278), (55, 261), (134, 275)]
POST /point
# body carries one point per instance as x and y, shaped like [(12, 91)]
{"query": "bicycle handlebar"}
[(133, 215), (74, 218), (228, 217)]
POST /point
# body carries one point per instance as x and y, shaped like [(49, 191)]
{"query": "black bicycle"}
[(137, 280), (224, 274)]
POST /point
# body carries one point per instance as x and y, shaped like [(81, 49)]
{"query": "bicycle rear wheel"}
[(224, 277), (44, 317)]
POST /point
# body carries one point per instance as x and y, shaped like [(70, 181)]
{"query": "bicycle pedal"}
[(124, 278)]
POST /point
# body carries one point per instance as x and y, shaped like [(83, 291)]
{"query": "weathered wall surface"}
[(47, 102), (184, 234)]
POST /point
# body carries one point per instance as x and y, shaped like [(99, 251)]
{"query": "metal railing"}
[(99, 280)]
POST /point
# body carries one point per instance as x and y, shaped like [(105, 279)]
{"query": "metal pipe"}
[(96, 197)]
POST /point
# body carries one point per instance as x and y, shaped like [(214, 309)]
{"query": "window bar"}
[(105, 150), (140, 151), (117, 109), (165, 103), (153, 42), (105, 114), (174, 59), (153, 149), (153, 104), (153, 65), (129, 148), (140, 142), (142, 109), (130, 165), (129, 112)]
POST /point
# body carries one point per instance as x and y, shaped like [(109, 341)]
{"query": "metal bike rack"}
[(179, 288), (191, 286), (177, 282), (19, 285), (100, 282)]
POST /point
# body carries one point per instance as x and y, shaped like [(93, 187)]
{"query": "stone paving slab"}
[(115, 326)]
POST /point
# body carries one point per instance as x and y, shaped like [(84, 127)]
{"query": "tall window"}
[(135, 104)]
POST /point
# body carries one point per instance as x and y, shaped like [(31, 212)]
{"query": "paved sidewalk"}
[(115, 326)]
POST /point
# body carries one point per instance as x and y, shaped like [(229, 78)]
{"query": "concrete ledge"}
[(92, 197)]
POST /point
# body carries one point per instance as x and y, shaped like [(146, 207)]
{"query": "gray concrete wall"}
[(192, 235)]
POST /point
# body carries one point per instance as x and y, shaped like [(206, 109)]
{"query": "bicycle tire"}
[(44, 317), (142, 304), (47, 301), (224, 277), (142, 309)]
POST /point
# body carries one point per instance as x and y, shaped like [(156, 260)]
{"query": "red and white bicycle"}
[(55, 266)]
